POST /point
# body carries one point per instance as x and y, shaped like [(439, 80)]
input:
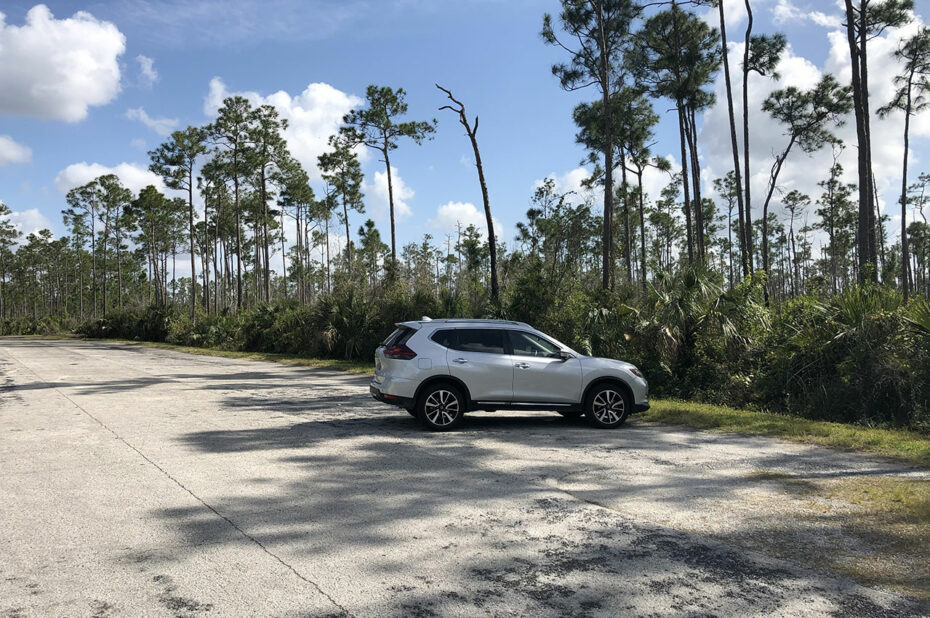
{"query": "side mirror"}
[(565, 355)]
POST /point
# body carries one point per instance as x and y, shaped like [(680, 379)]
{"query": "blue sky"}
[(168, 62)]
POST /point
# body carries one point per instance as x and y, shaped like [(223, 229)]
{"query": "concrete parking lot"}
[(136, 481)]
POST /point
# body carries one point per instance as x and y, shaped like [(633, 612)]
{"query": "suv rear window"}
[(487, 340), (399, 336), (445, 338)]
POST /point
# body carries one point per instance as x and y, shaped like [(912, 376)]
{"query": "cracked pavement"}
[(138, 481)]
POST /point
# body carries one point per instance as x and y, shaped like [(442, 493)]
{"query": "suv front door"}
[(479, 358), (540, 374)]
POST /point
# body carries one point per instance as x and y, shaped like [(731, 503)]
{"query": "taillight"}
[(399, 352)]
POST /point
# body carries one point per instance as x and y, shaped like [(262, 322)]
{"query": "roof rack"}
[(471, 321)]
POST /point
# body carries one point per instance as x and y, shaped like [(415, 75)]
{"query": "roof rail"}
[(474, 321)]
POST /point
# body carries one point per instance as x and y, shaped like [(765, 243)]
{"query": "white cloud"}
[(148, 75), (734, 12), (827, 21), (13, 152), (451, 215), (785, 12), (162, 126), (570, 182), (29, 221), (313, 116), (57, 68), (134, 177), (378, 190)]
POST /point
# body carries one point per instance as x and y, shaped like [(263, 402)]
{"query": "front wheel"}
[(441, 407), (607, 406)]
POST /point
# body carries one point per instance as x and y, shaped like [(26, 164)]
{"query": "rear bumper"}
[(394, 400)]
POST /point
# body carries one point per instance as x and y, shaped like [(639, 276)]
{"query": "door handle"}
[(522, 366), (459, 361)]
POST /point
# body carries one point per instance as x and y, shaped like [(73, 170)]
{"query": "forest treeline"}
[(791, 302)]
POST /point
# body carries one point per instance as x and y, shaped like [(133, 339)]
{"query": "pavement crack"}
[(343, 611)]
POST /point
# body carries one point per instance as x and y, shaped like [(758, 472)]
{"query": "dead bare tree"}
[(472, 130)]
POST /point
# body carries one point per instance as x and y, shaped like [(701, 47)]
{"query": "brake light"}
[(399, 352)]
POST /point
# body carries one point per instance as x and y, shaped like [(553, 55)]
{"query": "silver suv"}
[(440, 369)]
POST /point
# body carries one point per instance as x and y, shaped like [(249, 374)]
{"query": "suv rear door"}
[(480, 358)]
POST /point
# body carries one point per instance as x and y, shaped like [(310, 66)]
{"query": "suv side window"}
[(487, 340), (445, 338), (528, 344)]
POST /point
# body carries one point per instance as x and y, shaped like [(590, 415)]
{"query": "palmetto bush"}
[(343, 320), (851, 357)]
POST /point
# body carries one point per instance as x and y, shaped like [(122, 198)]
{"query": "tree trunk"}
[(387, 165), (119, 268), (329, 281), (190, 213), (93, 253), (696, 183), (238, 244), (865, 236), (864, 83), (345, 215), (773, 179), (905, 263), (284, 257), (682, 128), (608, 240), (746, 174), (492, 239), (730, 244), (642, 228), (627, 257), (266, 273), (106, 239), (734, 147)]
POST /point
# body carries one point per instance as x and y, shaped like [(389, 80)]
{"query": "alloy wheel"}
[(608, 406), (441, 407)]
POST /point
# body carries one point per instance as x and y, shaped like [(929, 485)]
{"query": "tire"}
[(412, 412), (607, 406), (441, 407), (570, 413)]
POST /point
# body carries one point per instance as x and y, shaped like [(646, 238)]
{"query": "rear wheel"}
[(412, 412), (607, 406), (441, 407)]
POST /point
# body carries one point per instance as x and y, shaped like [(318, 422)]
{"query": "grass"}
[(904, 500), (908, 447), (884, 522)]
